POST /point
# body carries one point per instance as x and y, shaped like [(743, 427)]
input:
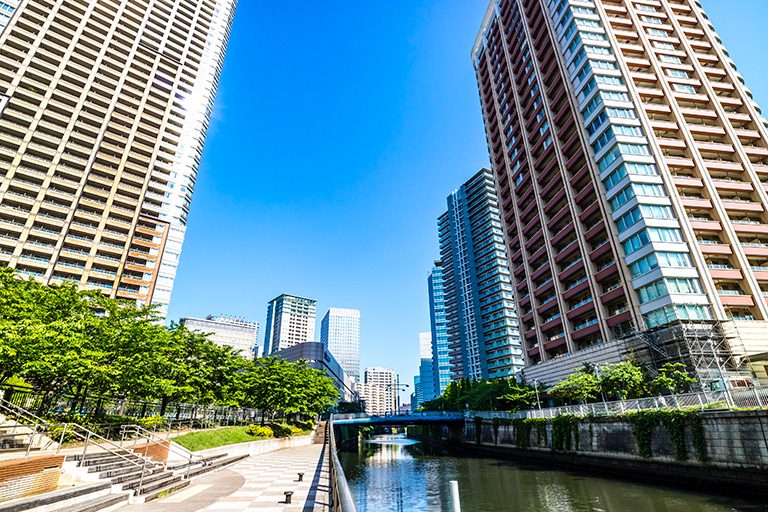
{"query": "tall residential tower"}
[(229, 331), (108, 104), (340, 334), (483, 338), (290, 321), (441, 361), (632, 169)]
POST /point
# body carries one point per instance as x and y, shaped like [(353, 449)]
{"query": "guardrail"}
[(341, 496), (747, 398)]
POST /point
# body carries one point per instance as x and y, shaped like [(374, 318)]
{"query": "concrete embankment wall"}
[(736, 446), (258, 447)]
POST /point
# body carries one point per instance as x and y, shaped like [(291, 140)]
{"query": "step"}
[(150, 479), (168, 479), (101, 503), (102, 455), (203, 461), (165, 490), (64, 497), (118, 464), (121, 474), (216, 465)]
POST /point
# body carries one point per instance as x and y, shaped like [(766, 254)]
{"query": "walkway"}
[(255, 484)]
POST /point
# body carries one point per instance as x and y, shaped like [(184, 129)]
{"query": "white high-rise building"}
[(105, 110), (378, 391), (340, 333), (290, 321), (229, 331)]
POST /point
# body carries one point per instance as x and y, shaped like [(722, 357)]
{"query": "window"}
[(587, 23), (635, 242), (677, 73), (652, 291), (632, 131), (591, 107), (624, 113), (657, 212), (670, 313), (674, 259), (629, 219), (609, 158), (644, 265), (622, 197), (589, 87), (601, 64), (651, 19), (644, 7), (610, 80), (544, 128), (615, 177), (600, 50), (665, 235), (684, 88), (615, 96), (597, 123), (603, 140), (648, 189), (658, 32), (583, 73), (672, 59), (664, 45), (634, 149), (647, 169), (583, 10), (593, 35)]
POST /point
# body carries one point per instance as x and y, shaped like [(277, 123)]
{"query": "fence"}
[(341, 496), (176, 414), (745, 398)]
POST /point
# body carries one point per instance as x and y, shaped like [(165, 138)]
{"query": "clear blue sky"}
[(339, 129)]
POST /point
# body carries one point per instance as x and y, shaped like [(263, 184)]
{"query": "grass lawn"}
[(195, 441)]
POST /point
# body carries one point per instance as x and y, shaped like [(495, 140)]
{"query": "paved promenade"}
[(255, 484)]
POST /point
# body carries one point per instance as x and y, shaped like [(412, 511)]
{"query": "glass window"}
[(600, 50), (664, 45), (644, 265), (601, 64), (615, 96), (610, 80), (615, 177), (684, 88), (597, 123), (625, 113), (633, 131), (658, 32), (628, 219), (678, 73), (622, 197), (673, 59), (603, 140), (652, 19)]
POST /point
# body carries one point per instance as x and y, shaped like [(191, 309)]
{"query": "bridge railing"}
[(748, 398), (341, 496), (417, 414)]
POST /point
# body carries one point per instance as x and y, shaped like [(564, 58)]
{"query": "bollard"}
[(455, 496), (301, 477), (288, 495)]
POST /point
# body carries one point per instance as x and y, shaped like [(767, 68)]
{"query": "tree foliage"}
[(60, 338), (480, 395)]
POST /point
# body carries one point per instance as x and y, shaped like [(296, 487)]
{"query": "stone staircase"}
[(320, 433), (15, 437)]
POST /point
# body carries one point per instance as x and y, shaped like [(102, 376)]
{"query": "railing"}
[(136, 432), (341, 496), (95, 405), (754, 397)]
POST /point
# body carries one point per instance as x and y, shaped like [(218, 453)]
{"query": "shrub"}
[(259, 431)]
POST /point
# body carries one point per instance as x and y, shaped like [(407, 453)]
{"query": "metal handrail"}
[(341, 496), (41, 427), (140, 432)]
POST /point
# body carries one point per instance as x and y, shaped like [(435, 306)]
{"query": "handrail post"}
[(61, 441), (31, 440), (87, 438)]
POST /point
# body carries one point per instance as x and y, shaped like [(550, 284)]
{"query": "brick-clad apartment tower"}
[(632, 166), (108, 104)]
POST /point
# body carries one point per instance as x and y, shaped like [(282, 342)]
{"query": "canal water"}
[(394, 474)]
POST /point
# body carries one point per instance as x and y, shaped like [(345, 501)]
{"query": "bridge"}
[(416, 418)]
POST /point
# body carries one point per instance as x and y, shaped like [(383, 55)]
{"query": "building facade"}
[(319, 357), (632, 169), (290, 321), (106, 110), (340, 333), (229, 331), (426, 370), (483, 337), (441, 361), (377, 391)]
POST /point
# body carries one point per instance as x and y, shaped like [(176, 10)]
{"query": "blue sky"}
[(338, 132)]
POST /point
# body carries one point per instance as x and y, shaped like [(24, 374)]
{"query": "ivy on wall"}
[(565, 430), (478, 429), (674, 422)]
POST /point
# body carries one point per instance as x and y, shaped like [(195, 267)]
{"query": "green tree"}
[(626, 379), (671, 378), (581, 386)]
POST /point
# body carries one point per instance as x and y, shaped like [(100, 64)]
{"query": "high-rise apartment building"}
[(632, 170), (377, 391), (290, 321), (340, 334), (483, 338), (229, 331), (107, 109), (441, 361), (426, 390)]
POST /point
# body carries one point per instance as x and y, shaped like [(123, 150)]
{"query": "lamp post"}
[(536, 387), (397, 388)]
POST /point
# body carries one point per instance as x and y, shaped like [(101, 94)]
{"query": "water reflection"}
[(393, 475)]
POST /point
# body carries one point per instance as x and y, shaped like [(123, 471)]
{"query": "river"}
[(394, 474)]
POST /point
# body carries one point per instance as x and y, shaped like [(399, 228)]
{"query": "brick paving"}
[(263, 478)]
